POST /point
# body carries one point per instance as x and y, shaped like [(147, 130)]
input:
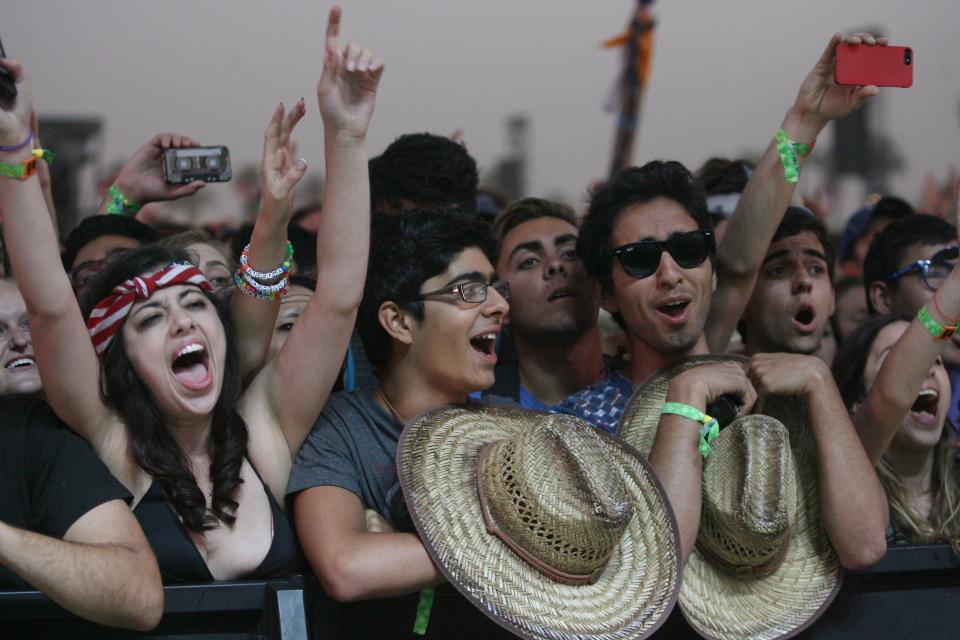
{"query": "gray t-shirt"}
[(353, 446)]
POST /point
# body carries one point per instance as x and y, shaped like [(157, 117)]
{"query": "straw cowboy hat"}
[(549, 527), (763, 566)]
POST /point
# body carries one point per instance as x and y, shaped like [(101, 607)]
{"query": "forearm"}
[(758, 214), (343, 237), (253, 319), (376, 565), (111, 584), (677, 462), (31, 243), (853, 502)]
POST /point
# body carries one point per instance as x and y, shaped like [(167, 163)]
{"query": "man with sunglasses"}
[(431, 312)]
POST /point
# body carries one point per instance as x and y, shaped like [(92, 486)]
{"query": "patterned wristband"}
[(270, 275), (709, 430), (118, 204), (934, 328)]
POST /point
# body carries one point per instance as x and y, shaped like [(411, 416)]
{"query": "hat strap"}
[(764, 569), (536, 563)]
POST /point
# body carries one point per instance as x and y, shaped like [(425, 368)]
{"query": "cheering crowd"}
[(669, 410)]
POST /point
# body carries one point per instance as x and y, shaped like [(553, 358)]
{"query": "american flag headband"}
[(108, 316)]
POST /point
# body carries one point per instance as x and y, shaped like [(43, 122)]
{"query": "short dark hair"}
[(425, 169), (405, 251), (631, 186), (525, 210), (722, 175), (797, 220), (889, 246), (93, 227)]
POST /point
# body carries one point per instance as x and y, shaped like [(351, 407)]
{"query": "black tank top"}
[(178, 556)]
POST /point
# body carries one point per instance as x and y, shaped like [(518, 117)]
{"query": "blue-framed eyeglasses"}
[(472, 292), (933, 271)]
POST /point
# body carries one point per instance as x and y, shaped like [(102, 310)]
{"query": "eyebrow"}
[(536, 245), (156, 303), (783, 252), (469, 276)]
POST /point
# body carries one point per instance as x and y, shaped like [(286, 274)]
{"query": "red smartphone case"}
[(860, 64)]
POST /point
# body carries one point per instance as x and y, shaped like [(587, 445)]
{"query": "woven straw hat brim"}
[(436, 462), (716, 602)]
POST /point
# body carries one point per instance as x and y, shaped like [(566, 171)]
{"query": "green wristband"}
[(709, 430), (934, 328), (424, 606), (118, 204)]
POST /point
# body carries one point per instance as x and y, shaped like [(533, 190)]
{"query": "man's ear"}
[(605, 297), (879, 294), (395, 321)]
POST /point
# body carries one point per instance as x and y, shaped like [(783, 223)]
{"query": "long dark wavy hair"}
[(153, 446)]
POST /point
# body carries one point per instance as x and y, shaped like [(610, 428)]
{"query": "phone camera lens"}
[(184, 164), (213, 163), (907, 56)]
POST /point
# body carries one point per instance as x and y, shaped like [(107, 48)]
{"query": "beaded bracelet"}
[(709, 430), (790, 154), (119, 204), (260, 291), (270, 275), (934, 328)]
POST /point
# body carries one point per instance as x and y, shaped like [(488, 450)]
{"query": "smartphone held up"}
[(860, 64)]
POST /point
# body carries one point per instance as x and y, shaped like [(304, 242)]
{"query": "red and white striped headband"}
[(111, 312)]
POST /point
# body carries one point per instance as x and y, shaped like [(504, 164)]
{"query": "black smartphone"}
[(7, 88), (724, 409)]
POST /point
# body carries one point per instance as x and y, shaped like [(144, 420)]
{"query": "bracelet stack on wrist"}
[(709, 430), (257, 284), (26, 168), (118, 204)]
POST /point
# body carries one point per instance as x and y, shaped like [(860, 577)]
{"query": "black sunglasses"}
[(641, 259)]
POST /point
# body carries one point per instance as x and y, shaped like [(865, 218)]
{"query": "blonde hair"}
[(943, 523)]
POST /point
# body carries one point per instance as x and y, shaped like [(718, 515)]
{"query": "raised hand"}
[(279, 173), (141, 178), (348, 85), (15, 113), (787, 374), (820, 98)]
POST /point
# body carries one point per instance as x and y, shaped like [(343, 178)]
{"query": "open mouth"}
[(926, 404), (804, 317), (485, 344), (560, 294), (673, 309), (22, 362), (191, 366)]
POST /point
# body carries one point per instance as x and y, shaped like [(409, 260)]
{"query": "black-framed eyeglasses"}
[(473, 292), (81, 274), (933, 271), (641, 259)]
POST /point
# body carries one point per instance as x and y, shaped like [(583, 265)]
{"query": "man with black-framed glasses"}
[(431, 312)]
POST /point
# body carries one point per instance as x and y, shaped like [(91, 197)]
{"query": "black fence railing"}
[(914, 592)]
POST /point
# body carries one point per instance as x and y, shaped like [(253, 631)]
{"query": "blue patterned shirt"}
[(602, 403)]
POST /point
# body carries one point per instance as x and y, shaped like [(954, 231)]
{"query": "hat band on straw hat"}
[(529, 558), (758, 570)]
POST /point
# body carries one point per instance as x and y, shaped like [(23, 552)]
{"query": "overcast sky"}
[(723, 74)]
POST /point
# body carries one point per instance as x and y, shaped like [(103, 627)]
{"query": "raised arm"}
[(904, 370), (295, 385), (353, 554), (68, 365), (675, 456), (852, 500), (253, 319), (767, 194), (102, 570)]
